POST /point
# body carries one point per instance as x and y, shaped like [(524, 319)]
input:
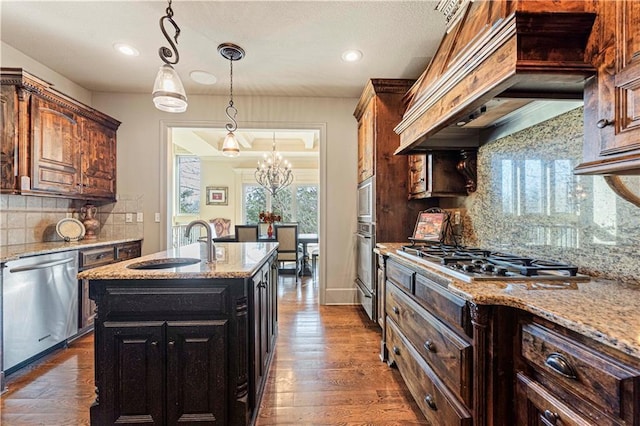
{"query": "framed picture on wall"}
[(217, 195)]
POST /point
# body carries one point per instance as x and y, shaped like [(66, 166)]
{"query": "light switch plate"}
[(157, 217), (139, 217), (128, 217)]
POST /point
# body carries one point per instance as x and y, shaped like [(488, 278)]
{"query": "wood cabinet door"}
[(417, 175), (9, 141), (132, 373), (197, 372), (55, 148), (366, 142), (261, 338), (98, 160)]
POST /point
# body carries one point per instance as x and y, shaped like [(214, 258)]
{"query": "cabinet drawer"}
[(401, 276), (543, 408), (166, 302), (96, 257), (578, 368), (443, 304), (449, 355), (128, 251), (437, 403)]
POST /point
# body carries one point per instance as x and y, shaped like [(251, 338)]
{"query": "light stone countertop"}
[(233, 260), (16, 251), (605, 311)]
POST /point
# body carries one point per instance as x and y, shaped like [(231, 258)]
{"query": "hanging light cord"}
[(165, 52), (231, 110)]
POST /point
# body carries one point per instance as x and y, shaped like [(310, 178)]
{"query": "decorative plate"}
[(70, 229)]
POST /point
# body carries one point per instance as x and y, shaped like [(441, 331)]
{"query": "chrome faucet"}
[(211, 250)]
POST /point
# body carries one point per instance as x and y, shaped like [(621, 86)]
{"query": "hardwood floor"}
[(326, 371)]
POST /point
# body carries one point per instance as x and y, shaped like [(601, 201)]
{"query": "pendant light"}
[(230, 147), (168, 91)]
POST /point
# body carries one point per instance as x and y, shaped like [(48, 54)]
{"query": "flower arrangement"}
[(269, 217)]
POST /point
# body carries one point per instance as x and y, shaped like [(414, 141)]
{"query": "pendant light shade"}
[(230, 147), (168, 91)]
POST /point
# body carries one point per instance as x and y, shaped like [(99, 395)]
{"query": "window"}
[(303, 208), (188, 184)]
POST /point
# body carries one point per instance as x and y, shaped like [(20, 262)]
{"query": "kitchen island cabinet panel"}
[(199, 338)]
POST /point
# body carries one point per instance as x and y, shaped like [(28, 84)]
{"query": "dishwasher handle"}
[(42, 265)]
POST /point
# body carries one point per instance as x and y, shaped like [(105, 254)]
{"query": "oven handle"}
[(42, 265)]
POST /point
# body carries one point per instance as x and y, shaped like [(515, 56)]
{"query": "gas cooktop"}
[(474, 264)]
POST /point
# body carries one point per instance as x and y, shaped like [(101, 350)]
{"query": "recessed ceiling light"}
[(351, 55), (126, 49), (203, 77)]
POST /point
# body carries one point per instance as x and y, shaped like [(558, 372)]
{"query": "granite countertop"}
[(606, 311), (233, 260), (16, 251)]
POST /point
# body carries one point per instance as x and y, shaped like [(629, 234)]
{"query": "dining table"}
[(303, 239)]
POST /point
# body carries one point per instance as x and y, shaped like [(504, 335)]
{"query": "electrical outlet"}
[(157, 218), (139, 217), (128, 217), (456, 217)]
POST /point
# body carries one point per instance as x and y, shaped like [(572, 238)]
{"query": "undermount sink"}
[(166, 263)]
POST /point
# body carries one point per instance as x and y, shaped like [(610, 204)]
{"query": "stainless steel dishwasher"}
[(40, 306)]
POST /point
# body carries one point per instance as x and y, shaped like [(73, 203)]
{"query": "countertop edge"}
[(17, 251)]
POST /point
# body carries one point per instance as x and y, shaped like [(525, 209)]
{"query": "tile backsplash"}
[(529, 202), (32, 219)]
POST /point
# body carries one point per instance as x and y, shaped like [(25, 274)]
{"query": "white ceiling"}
[(293, 48)]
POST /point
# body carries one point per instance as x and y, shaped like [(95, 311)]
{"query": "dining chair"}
[(288, 251), (247, 233)]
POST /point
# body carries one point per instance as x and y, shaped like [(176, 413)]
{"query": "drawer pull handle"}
[(100, 256), (172, 343), (558, 363), (431, 403), (395, 310), (154, 343), (428, 345), (396, 350), (601, 124), (550, 417)]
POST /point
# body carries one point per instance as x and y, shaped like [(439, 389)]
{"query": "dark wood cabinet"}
[(53, 145), (183, 351), (436, 174), (564, 378), (429, 338), (611, 119)]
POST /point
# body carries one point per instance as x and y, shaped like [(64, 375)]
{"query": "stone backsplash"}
[(530, 203), (33, 219)]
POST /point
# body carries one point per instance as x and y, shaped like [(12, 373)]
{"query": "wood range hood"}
[(500, 62)]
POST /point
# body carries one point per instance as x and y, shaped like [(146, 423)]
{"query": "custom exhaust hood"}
[(501, 66)]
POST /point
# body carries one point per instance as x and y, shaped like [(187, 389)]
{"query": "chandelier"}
[(274, 172), (168, 91)]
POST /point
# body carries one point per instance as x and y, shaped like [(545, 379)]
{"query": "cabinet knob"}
[(550, 417), (558, 363), (601, 124), (428, 345), (395, 310), (172, 343), (431, 403), (396, 350), (154, 343)]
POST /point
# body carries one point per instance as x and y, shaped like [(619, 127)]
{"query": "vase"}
[(270, 231), (91, 224)]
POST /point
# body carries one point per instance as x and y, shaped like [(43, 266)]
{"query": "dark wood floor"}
[(326, 371)]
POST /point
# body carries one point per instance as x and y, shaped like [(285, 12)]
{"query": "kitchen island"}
[(184, 342)]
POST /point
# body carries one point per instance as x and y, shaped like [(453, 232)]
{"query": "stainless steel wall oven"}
[(365, 265)]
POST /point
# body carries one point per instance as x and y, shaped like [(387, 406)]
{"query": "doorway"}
[(201, 183)]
